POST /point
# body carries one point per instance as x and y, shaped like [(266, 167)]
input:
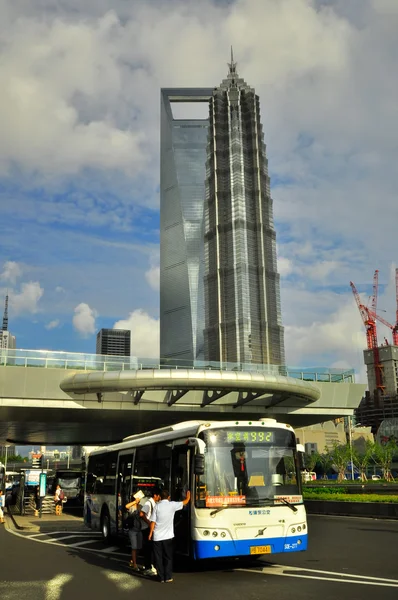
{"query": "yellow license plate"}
[(260, 549)]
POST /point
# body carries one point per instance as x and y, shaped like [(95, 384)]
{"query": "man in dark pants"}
[(162, 531), (146, 514)]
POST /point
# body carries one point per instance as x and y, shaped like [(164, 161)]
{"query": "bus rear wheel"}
[(105, 526)]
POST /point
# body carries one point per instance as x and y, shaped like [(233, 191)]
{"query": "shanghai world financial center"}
[(219, 285)]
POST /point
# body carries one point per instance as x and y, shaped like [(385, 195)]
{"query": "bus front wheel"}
[(105, 526)]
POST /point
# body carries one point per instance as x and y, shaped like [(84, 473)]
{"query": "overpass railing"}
[(98, 362)]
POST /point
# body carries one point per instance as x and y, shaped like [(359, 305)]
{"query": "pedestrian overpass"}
[(70, 398)]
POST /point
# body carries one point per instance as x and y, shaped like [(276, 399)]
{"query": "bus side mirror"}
[(199, 464)]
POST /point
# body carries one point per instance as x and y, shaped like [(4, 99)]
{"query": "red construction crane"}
[(373, 305), (369, 320), (393, 328)]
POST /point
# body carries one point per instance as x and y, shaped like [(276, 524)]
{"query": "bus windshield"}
[(248, 467)]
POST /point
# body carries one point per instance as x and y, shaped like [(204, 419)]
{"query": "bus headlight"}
[(299, 528), (215, 534), (216, 548), (293, 530), (206, 532), (223, 534)]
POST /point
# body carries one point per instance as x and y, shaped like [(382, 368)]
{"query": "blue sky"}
[(79, 159)]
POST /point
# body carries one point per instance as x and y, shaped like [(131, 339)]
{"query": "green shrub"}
[(350, 497)]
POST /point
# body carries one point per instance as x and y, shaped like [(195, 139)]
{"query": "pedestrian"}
[(146, 514), (162, 531), (134, 524), (2, 504), (59, 497), (37, 500)]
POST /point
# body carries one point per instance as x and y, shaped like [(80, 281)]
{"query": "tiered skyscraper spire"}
[(5, 316)]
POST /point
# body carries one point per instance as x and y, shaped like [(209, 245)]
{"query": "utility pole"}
[(350, 439), (5, 460)]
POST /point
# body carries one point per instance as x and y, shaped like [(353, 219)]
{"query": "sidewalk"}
[(47, 523)]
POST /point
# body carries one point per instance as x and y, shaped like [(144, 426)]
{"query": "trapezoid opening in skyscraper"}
[(219, 285)]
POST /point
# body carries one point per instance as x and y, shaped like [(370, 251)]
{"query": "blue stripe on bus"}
[(206, 548)]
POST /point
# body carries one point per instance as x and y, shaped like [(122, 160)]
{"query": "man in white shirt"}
[(162, 531), (146, 514)]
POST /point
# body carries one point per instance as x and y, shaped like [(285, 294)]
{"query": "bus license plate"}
[(260, 549)]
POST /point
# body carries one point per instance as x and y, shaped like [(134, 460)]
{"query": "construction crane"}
[(393, 328), (369, 320)]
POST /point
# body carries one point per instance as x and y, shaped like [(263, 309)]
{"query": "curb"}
[(375, 510)]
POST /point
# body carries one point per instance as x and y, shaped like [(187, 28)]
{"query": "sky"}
[(79, 159)]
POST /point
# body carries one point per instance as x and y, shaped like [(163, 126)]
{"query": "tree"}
[(325, 462), (340, 456), (384, 454), (361, 459), (310, 461)]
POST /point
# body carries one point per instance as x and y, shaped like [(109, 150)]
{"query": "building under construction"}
[(381, 399)]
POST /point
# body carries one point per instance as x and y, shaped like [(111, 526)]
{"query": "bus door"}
[(124, 486), (180, 476)]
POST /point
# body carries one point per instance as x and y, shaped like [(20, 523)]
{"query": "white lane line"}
[(110, 549), (66, 537), (286, 571), (303, 569), (124, 556), (79, 533), (82, 543)]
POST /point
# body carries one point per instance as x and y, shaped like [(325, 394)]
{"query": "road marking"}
[(80, 533), (110, 549), (67, 537), (124, 555), (81, 543), (286, 571)]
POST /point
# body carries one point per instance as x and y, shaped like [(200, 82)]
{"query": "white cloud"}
[(144, 333), (84, 319), (153, 277), (59, 289), (26, 301), (285, 266), (11, 272), (52, 324)]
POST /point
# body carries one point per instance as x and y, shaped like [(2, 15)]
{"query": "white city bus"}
[(244, 478)]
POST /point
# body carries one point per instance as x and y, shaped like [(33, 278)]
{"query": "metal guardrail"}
[(98, 362)]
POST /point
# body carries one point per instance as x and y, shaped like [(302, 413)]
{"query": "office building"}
[(242, 288), (182, 193), (116, 342), (7, 341), (219, 286)]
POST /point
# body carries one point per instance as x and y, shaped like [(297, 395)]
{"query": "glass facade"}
[(241, 284), (182, 192), (219, 285)]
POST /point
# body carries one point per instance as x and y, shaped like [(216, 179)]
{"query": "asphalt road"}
[(348, 558)]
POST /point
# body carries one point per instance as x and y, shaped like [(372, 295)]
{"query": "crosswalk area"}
[(81, 540)]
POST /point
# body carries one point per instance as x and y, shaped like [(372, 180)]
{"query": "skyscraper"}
[(182, 193), (7, 341), (219, 286), (242, 287), (115, 342)]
